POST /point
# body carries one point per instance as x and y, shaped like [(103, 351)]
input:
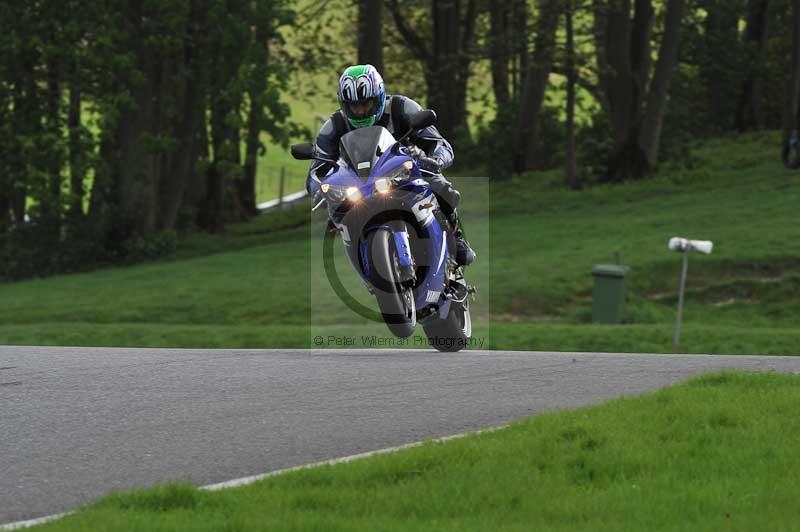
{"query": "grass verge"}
[(714, 453), (652, 338), (258, 284)]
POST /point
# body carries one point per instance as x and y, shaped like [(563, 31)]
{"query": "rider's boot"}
[(464, 253)]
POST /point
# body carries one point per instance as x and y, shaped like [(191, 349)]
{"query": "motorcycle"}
[(395, 235)]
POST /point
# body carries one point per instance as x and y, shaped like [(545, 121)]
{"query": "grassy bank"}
[(714, 453), (260, 284), (505, 336)]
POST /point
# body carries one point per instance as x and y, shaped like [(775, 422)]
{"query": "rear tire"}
[(453, 332), (395, 301)]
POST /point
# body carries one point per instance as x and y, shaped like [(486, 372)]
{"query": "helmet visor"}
[(363, 108)]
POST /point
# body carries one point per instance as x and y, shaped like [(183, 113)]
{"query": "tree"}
[(499, 48), (536, 79), (636, 102), (749, 115), (571, 169), (507, 47), (265, 78), (155, 77), (719, 59), (446, 61), (791, 110), (370, 33)]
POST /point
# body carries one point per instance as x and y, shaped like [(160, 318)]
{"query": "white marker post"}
[(685, 245)]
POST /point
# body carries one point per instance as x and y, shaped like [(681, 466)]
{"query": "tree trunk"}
[(135, 166), (5, 210), (226, 163), (499, 52), (571, 163), (618, 74), (211, 215), (27, 121), (446, 64), (720, 63), (650, 139), (749, 115), (195, 193), (6, 145), (520, 42), (102, 197), (791, 120), (600, 31), (446, 76), (623, 57), (247, 185), (370, 33), (256, 119), (536, 79), (51, 204), (182, 164), (77, 165), (641, 34)]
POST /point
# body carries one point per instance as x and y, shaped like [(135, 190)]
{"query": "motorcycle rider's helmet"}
[(362, 96)]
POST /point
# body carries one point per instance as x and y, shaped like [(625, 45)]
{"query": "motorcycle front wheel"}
[(395, 301)]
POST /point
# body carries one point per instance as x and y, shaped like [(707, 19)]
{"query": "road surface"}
[(76, 423)]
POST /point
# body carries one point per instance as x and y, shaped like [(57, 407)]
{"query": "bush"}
[(43, 248), (150, 247)]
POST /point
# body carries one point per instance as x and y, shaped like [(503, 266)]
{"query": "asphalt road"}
[(76, 423)]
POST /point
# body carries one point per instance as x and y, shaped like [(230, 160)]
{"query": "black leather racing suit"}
[(398, 112)]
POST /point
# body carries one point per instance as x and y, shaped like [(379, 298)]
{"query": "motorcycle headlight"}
[(383, 185), (401, 173), (353, 194)]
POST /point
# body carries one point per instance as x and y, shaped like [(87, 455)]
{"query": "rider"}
[(363, 102)]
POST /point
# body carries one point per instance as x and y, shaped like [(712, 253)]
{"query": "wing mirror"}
[(424, 118), (303, 152)]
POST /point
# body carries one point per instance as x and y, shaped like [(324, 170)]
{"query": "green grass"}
[(657, 338), (261, 283), (716, 453)]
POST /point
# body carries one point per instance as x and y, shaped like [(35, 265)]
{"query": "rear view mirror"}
[(423, 119), (303, 152)]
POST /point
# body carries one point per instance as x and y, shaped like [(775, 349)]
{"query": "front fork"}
[(405, 261), (404, 258)]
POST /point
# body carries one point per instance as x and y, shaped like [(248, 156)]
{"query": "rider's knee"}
[(444, 190)]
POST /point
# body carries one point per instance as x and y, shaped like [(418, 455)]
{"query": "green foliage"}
[(118, 95), (492, 151), (179, 101), (150, 247)]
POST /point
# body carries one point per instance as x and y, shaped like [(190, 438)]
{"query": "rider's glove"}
[(430, 164)]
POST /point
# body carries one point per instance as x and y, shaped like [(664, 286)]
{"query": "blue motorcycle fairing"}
[(386, 164), (428, 239)]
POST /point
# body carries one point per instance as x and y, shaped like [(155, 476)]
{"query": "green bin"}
[(608, 295)]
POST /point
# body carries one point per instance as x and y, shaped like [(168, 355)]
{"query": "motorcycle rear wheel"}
[(451, 334)]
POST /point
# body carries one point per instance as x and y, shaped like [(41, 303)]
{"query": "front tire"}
[(395, 301)]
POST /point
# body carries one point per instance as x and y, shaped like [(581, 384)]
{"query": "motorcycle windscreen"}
[(361, 148)]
